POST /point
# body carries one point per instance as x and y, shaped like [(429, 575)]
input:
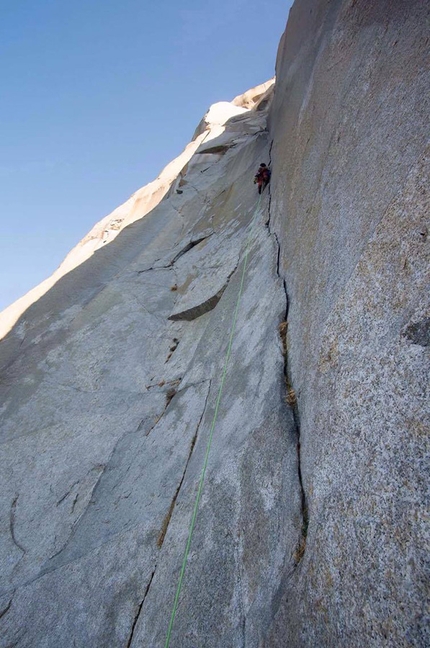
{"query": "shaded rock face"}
[(350, 207), (311, 530)]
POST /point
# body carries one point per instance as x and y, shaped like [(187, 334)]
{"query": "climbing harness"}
[(211, 431)]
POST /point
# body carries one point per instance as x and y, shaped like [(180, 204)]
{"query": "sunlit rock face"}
[(145, 199), (311, 529)]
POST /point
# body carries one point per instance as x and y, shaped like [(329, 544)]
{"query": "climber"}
[(262, 177)]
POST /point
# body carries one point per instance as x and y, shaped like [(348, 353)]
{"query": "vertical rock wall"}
[(350, 207)]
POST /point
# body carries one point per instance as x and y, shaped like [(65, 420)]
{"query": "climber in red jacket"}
[(262, 177)]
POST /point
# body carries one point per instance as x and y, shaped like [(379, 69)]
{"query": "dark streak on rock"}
[(220, 149), (12, 524), (139, 610), (74, 503), (66, 494), (171, 392), (7, 608), (169, 513), (184, 250), (189, 247), (168, 267), (197, 311)]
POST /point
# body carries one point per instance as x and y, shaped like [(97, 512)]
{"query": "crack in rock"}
[(168, 516), (7, 608), (290, 396), (170, 393), (97, 467), (189, 247), (139, 609), (12, 524), (167, 267), (68, 493), (291, 400)]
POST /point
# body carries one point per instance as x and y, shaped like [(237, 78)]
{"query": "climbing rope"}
[(209, 443)]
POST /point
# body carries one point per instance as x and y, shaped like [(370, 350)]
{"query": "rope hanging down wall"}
[(211, 432)]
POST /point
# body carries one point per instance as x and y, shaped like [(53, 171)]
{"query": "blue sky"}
[(96, 97)]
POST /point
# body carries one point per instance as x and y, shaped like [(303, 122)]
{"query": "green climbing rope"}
[(209, 443)]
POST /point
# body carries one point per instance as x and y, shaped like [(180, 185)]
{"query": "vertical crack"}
[(301, 547), (12, 524), (290, 395), (268, 187), (139, 609), (291, 400), (268, 225), (171, 392), (169, 513)]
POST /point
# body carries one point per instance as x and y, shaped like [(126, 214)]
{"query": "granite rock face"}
[(350, 207), (312, 527), (143, 201), (108, 387)]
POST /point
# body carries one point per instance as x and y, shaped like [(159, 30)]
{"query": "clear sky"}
[(97, 96)]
